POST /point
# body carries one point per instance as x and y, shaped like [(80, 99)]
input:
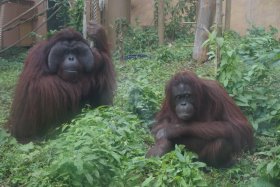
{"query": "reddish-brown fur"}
[(217, 131), (43, 99)]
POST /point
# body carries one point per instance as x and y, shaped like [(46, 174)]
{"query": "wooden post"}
[(85, 19), (1, 26), (227, 14), (206, 14), (219, 17), (219, 24), (161, 21), (96, 11), (197, 9)]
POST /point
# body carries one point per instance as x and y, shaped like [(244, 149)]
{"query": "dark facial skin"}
[(184, 101), (69, 59)]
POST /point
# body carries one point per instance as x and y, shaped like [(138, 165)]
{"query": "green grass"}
[(9, 71), (107, 146)]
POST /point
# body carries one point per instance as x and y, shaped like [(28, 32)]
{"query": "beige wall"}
[(142, 11), (244, 13)]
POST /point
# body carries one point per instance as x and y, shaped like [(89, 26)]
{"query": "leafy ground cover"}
[(106, 146)]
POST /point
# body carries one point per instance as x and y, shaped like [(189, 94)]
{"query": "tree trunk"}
[(227, 14), (161, 21), (219, 23), (197, 9), (206, 14), (85, 19)]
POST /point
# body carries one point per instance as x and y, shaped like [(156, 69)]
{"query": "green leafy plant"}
[(11, 63), (176, 168), (76, 15), (258, 44), (176, 15), (90, 151), (139, 40), (106, 146), (270, 169), (165, 54), (252, 82), (71, 13), (181, 17), (143, 102), (171, 53)]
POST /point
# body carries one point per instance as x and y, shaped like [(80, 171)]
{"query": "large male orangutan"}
[(59, 77), (200, 114)]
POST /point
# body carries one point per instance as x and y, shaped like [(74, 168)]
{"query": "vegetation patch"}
[(106, 146)]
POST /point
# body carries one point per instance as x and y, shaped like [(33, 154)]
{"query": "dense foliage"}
[(107, 146), (256, 62), (68, 13), (249, 70), (180, 17), (134, 41)]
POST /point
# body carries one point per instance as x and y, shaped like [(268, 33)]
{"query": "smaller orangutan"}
[(201, 115)]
